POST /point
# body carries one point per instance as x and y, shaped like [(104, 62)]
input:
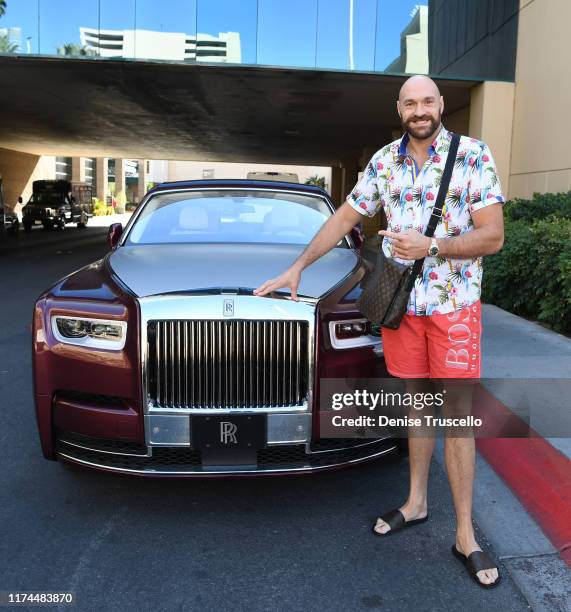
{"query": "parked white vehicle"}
[(288, 177)]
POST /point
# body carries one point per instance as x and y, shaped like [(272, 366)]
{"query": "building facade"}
[(510, 55), (151, 44)]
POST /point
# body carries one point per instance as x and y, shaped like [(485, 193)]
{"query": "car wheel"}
[(82, 223)]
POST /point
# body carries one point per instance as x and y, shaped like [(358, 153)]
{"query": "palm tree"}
[(73, 49), (5, 45), (2, 7), (319, 181)]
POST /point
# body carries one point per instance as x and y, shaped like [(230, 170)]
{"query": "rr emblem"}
[(228, 432), (228, 309)]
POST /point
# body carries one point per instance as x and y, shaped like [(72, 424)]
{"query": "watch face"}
[(433, 251)]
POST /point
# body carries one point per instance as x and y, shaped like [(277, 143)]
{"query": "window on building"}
[(89, 169), (63, 168)]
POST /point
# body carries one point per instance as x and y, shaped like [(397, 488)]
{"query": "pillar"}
[(78, 169), (349, 176), (119, 176), (102, 180), (143, 179), (336, 179), (491, 119)]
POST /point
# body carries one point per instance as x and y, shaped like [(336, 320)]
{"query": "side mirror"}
[(357, 236), (114, 233)]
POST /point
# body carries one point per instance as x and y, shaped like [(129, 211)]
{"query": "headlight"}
[(352, 333), (92, 333), (350, 329)]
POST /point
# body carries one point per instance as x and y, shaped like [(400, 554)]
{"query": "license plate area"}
[(228, 431)]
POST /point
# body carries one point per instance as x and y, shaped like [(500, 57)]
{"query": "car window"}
[(48, 198), (230, 216)]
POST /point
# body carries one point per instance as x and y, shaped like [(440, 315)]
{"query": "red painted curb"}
[(537, 473)]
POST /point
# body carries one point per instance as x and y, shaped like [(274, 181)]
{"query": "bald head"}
[(420, 107), (418, 83)]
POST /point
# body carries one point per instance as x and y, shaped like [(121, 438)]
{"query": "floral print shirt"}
[(407, 194)]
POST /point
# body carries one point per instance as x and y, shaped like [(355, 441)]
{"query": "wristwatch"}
[(433, 248)]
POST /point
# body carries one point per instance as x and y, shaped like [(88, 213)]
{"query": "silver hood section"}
[(157, 269)]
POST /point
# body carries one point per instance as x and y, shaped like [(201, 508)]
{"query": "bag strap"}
[(437, 210)]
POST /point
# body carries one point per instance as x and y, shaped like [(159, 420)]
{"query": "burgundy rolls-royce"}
[(158, 360)]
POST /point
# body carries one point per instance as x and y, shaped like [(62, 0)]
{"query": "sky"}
[(304, 33)]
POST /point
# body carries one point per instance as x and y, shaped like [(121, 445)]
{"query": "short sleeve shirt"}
[(407, 194)]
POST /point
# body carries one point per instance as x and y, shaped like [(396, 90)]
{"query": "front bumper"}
[(113, 433), (138, 459), (40, 216)]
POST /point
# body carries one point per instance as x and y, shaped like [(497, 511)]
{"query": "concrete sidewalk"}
[(540, 362), (525, 365), (107, 220), (528, 368)]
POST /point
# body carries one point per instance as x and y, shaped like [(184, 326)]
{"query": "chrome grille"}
[(227, 363)]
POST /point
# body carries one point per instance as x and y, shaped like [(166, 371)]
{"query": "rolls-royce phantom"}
[(158, 359)]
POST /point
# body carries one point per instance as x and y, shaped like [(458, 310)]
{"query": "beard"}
[(422, 132)]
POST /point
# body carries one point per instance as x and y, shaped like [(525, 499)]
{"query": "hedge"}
[(531, 275), (541, 206)]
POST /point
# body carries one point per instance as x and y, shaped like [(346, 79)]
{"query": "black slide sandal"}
[(397, 522), (475, 562)]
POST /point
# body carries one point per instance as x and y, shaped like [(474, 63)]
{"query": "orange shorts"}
[(435, 346)]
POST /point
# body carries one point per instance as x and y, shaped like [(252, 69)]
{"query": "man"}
[(439, 337)]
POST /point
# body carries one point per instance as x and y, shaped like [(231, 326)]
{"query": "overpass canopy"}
[(175, 110)]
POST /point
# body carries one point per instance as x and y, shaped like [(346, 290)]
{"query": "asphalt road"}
[(127, 543)]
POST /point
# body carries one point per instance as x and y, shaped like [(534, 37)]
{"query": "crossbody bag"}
[(387, 288)]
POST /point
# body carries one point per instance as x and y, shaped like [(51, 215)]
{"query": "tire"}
[(82, 223)]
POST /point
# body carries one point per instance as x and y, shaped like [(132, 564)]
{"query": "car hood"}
[(157, 269)]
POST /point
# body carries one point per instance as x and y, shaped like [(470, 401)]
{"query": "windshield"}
[(249, 216), (49, 198)]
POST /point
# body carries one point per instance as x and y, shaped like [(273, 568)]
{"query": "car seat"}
[(283, 220)]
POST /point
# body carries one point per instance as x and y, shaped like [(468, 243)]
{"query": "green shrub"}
[(319, 181), (121, 201), (541, 206), (99, 207), (531, 275)]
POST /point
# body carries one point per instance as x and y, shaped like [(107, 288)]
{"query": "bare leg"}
[(421, 445), (460, 454)]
